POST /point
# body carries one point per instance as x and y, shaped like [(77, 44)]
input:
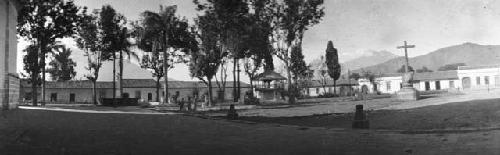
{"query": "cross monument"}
[(406, 46)]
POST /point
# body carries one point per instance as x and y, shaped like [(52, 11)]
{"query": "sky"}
[(358, 26)]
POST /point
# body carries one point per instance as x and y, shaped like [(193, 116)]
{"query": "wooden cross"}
[(406, 46)]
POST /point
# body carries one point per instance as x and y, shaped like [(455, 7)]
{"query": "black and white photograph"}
[(146, 77)]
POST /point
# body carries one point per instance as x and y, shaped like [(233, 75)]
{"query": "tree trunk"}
[(291, 97), (210, 92), (235, 99), (334, 87), (239, 83), (251, 84), (94, 92), (165, 71), (43, 74), (120, 84), (114, 79), (34, 98), (158, 85)]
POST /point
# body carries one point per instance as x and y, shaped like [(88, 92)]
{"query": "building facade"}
[(479, 77), (143, 89), (9, 80), (465, 78)]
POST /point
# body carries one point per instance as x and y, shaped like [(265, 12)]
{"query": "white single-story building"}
[(479, 77), (465, 78)]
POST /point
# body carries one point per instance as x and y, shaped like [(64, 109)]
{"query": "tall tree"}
[(111, 23), (90, 39), (332, 63), (42, 22), (290, 21), (232, 18), (205, 62), (172, 35), (298, 67), (62, 67), (148, 42), (32, 67), (115, 40)]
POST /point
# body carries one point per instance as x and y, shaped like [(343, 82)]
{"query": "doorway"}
[(466, 82)]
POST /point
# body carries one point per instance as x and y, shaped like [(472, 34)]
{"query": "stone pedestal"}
[(407, 94)]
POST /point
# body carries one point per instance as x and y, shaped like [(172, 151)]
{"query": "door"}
[(427, 86), (466, 82), (438, 85)]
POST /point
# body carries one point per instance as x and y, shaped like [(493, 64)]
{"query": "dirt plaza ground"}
[(468, 125)]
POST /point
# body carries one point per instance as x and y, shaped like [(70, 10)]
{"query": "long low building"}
[(465, 78), (81, 91)]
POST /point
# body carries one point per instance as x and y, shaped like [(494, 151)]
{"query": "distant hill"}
[(469, 53), (369, 58)]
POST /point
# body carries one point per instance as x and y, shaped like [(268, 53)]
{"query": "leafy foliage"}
[(402, 69), (42, 22), (32, 64), (332, 63), (355, 76), (424, 69), (453, 66), (298, 65), (62, 67)]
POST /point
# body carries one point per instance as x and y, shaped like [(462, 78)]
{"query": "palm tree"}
[(123, 45), (171, 33)]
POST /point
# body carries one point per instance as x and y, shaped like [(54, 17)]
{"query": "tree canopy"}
[(453, 66), (62, 66)]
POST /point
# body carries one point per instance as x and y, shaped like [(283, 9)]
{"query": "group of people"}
[(191, 104)]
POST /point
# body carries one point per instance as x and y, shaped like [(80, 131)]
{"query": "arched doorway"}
[(364, 89), (466, 82)]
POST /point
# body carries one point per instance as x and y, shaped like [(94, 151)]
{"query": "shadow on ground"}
[(459, 115)]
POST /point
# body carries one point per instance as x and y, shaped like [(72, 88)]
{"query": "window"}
[(317, 90), (452, 84), (72, 97), (388, 86), (53, 97), (137, 94), (486, 80), (150, 96), (125, 95), (478, 80)]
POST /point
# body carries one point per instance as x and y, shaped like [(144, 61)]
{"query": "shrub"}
[(328, 95), (250, 99)]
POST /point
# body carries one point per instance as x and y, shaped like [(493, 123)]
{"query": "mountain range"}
[(469, 53)]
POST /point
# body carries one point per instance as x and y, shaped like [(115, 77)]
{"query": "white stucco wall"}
[(8, 44), (493, 73)]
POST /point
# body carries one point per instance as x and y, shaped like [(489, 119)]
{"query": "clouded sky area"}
[(356, 26)]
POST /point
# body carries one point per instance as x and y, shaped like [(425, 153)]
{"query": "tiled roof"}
[(439, 75), (329, 83), (390, 75), (477, 67), (269, 75), (129, 83)]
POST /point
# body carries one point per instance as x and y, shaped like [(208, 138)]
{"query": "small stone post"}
[(360, 121)]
